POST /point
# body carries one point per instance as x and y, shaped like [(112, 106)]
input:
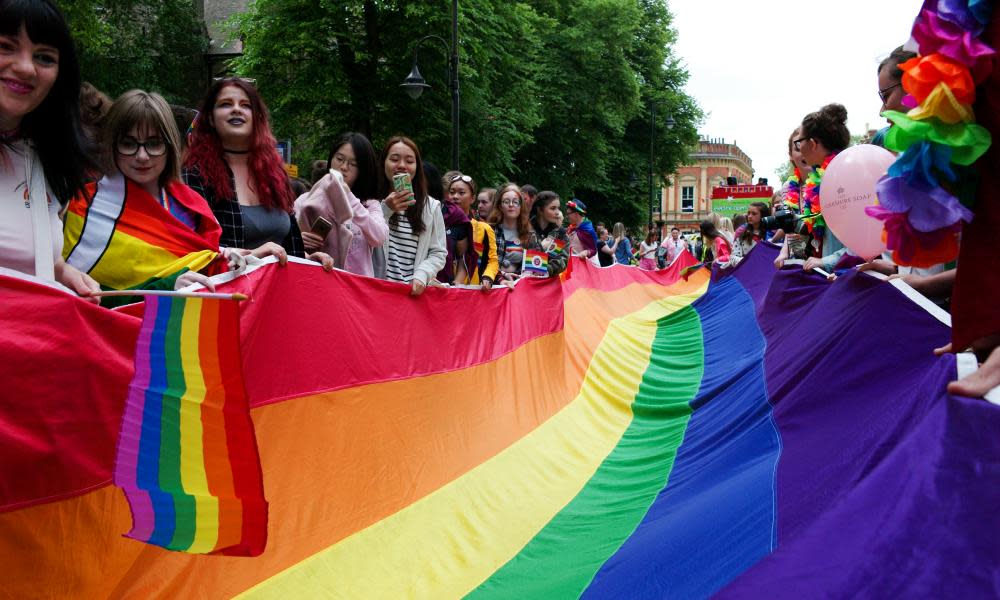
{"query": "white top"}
[(17, 237), (648, 250)]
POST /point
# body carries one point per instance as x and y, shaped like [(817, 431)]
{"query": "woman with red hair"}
[(232, 162)]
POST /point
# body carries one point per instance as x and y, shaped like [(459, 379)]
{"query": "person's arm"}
[(437, 254), (722, 251), (371, 221), (782, 256), (83, 284), (558, 260), (492, 261), (938, 285)]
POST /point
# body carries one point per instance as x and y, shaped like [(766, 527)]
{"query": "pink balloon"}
[(848, 187)]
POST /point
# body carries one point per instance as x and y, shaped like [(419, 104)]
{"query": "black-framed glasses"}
[(462, 178), (795, 143), (884, 93), (129, 146), (510, 202), (340, 160)]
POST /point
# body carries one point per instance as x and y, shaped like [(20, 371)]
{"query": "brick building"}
[(688, 198)]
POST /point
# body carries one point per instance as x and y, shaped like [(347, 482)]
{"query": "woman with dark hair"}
[(751, 233), (823, 134), (42, 159), (346, 199), (548, 232), (715, 246), (890, 80), (415, 250), (647, 251), (480, 261), (457, 228), (232, 163)]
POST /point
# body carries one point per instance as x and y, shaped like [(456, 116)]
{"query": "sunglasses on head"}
[(463, 178), (248, 80)]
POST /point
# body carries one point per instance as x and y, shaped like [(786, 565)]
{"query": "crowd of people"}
[(211, 197)]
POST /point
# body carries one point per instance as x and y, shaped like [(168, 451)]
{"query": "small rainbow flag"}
[(187, 455), (536, 262), (558, 246)]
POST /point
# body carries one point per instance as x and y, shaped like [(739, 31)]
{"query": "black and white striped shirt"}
[(400, 251)]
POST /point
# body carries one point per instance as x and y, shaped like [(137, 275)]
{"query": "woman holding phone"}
[(42, 161), (341, 214), (415, 249)]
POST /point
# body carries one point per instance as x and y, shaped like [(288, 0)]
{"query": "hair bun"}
[(837, 112)]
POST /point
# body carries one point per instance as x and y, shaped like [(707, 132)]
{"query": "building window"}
[(687, 198)]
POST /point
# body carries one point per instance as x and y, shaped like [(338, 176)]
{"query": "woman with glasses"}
[(42, 160), (512, 228), (342, 214), (232, 162), (822, 135), (480, 261), (139, 227), (416, 249)]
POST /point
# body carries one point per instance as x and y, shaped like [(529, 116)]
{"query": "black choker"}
[(228, 151)]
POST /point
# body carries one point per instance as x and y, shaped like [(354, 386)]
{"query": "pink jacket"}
[(357, 227)]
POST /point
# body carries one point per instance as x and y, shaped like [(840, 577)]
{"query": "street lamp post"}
[(669, 124), (415, 85)]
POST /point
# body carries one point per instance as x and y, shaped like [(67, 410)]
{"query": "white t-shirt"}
[(17, 232)]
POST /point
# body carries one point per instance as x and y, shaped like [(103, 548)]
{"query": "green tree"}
[(156, 45), (554, 92)]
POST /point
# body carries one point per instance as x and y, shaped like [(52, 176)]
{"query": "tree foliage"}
[(156, 45), (556, 93)]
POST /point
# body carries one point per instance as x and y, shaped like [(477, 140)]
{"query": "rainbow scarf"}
[(811, 209), (125, 239), (187, 456)]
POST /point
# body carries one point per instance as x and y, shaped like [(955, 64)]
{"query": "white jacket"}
[(432, 249)]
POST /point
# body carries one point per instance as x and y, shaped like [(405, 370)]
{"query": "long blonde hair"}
[(618, 231)]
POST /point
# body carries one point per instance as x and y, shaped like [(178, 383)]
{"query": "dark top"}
[(230, 216)]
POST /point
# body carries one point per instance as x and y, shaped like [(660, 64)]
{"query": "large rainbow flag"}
[(618, 434)]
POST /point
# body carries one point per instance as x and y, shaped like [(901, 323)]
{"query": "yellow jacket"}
[(481, 259)]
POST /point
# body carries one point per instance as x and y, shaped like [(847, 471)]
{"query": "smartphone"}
[(321, 227), (401, 183)]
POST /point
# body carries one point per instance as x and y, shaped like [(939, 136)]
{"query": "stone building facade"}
[(221, 48), (688, 198)]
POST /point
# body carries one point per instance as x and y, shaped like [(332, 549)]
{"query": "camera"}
[(785, 220)]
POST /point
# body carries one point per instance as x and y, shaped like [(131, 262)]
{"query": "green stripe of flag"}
[(563, 558), (170, 432)]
